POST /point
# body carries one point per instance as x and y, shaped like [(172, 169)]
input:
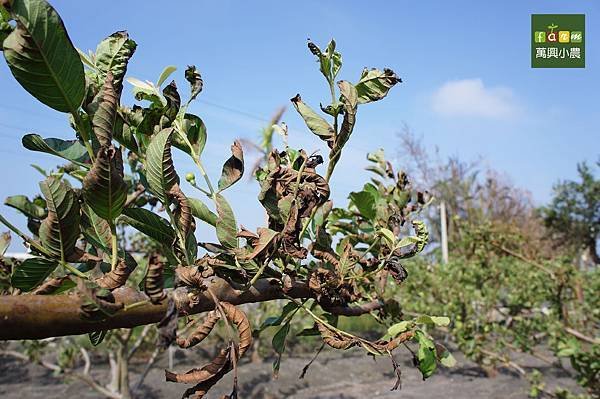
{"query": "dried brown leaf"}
[(242, 324), (118, 276), (104, 118), (153, 286), (207, 372), (201, 331), (190, 276), (183, 211), (49, 286), (334, 339)]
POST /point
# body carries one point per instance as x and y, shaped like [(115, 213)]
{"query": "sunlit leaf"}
[(71, 150), (149, 223), (164, 75), (42, 58), (314, 122), (425, 355), (398, 328), (22, 203), (113, 54), (201, 211), (375, 84), (194, 129), (226, 225)]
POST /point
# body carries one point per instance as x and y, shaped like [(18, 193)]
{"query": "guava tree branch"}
[(44, 316)]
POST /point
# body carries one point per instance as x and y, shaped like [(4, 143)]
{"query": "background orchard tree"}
[(573, 216), (325, 261)]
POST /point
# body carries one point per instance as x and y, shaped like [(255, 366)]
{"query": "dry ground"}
[(348, 375)]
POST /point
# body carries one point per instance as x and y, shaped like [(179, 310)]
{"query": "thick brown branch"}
[(43, 316)]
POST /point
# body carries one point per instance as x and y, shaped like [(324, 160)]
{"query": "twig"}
[(581, 336), (140, 189), (139, 341), (305, 369), (149, 365)]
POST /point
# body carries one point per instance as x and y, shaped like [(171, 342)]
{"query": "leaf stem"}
[(197, 161), (84, 134), (135, 305), (114, 245), (26, 238), (73, 270), (181, 238)]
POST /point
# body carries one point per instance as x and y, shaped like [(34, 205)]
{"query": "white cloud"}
[(470, 97)]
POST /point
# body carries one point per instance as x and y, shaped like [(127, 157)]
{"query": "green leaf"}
[(96, 230), (71, 150), (113, 54), (39, 169), (279, 345), (440, 321), (425, 355), (160, 170), (365, 202), (149, 223), (389, 236), (375, 84), (226, 225), (447, 360), (59, 231), (314, 122), (96, 337), (277, 320), (194, 129), (22, 203), (31, 273), (164, 75), (104, 188), (398, 328), (42, 58), (233, 169), (201, 211), (330, 61)]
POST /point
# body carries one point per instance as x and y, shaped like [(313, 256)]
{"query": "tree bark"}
[(44, 316)]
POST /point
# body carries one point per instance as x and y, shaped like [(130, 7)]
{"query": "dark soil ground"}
[(335, 375)]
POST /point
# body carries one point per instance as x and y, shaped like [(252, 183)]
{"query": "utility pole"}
[(444, 231)]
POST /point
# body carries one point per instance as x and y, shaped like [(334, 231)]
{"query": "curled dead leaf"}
[(49, 286), (334, 339), (183, 210), (118, 276), (190, 276), (242, 324), (154, 283), (201, 331), (194, 376)]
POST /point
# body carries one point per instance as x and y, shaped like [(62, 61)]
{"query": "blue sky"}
[(468, 85)]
